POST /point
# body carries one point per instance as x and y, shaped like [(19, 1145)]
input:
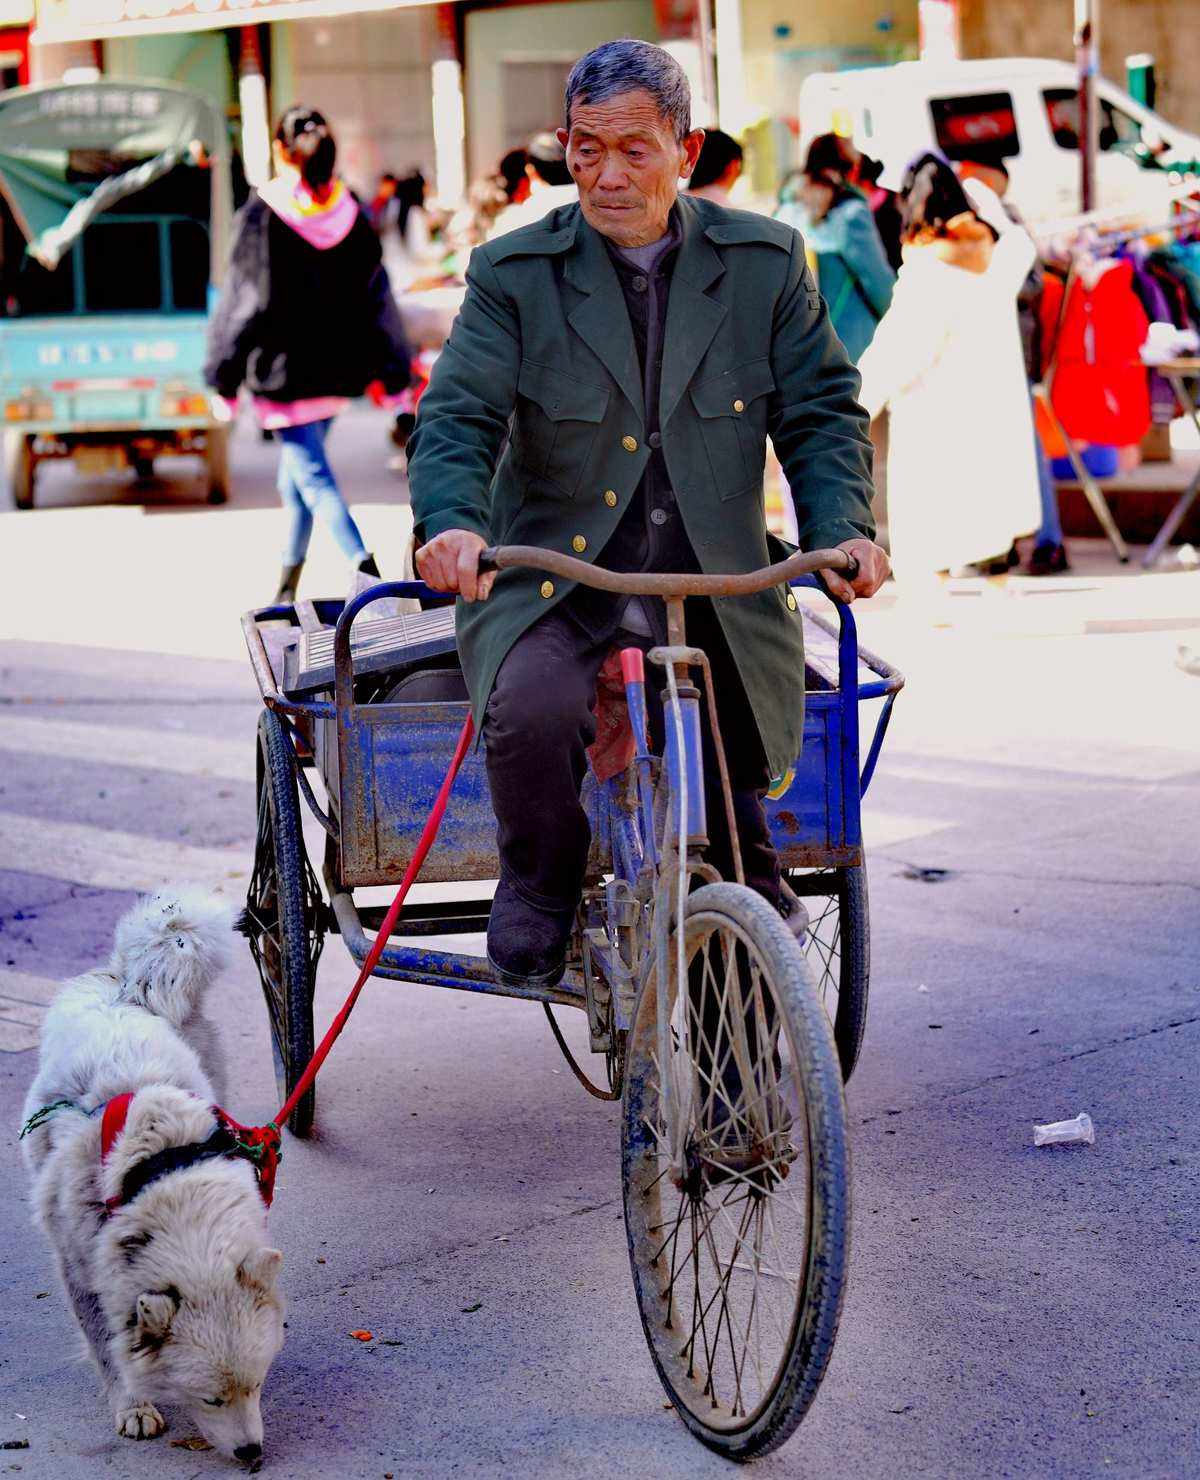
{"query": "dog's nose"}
[(250, 1454)]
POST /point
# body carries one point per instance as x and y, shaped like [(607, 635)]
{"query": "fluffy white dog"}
[(162, 1251)]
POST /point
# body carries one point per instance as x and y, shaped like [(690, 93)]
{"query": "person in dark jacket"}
[(307, 320), (608, 388)]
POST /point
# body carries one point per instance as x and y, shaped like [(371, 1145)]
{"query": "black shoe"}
[(1048, 559), (1002, 566), (367, 567), (289, 583), (526, 946)]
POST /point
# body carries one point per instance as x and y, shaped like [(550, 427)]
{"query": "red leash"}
[(430, 832), (261, 1143)]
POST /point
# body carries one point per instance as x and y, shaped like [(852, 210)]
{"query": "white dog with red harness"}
[(151, 1196)]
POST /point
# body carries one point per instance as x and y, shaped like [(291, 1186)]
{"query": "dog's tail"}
[(168, 949)]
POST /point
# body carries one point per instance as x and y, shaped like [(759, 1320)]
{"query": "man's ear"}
[(562, 136), (690, 145)]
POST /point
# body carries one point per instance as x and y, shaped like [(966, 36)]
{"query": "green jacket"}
[(543, 352)]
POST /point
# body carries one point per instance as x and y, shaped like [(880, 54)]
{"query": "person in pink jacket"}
[(306, 321)]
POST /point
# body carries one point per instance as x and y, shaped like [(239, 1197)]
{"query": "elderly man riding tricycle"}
[(607, 392), (590, 453)]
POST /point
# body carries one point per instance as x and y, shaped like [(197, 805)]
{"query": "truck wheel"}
[(20, 467), (216, 462)]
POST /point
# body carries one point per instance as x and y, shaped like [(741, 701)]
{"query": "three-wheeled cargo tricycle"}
[(724, 1028), (115, 206)]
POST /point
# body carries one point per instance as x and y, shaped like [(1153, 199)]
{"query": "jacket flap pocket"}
[(720, 395), (561, 396)]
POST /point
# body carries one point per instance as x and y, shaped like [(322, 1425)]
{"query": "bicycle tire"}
[(283, 904), (839, 951), (807, 1340)]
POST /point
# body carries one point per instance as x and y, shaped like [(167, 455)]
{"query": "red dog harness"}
[(258, 1145)]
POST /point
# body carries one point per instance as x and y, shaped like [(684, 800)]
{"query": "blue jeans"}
[(307, 486), (1051, 530)]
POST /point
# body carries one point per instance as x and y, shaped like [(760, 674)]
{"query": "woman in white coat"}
[(947, 362)]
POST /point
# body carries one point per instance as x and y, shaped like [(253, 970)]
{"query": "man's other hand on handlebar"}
[(873, 569), (450, 562)]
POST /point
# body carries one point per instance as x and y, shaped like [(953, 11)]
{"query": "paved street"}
[(1012, 1311)]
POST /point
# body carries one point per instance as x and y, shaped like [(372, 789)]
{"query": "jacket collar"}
[(693, 316), (601, 318)]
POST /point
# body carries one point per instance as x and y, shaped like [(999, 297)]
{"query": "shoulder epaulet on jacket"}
[(733, 228)]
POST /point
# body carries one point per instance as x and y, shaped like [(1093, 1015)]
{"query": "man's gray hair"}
[(620, 67)]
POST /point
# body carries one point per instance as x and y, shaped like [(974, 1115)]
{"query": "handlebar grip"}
[(487, 560)]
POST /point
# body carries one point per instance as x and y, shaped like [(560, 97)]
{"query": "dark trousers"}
[(540, 720)]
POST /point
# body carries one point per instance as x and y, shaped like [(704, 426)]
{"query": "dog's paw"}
[(139, 1421)]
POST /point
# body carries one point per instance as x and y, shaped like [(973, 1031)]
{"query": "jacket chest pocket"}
[(733, 420), (555, 424)]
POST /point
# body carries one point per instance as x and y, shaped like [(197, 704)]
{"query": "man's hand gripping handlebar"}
[(460, 561)]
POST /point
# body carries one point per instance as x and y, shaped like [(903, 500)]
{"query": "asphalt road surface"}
[(1034, 887)]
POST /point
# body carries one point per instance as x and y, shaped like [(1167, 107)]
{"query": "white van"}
[(1021, 109)]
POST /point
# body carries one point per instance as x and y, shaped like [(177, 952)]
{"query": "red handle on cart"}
[(430, 832)]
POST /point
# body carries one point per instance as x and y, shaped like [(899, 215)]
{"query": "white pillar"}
[(940, 30), (252, 99), (449, 132), (731, 72)]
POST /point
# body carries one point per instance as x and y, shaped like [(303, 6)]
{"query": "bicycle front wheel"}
[(735, 1176)]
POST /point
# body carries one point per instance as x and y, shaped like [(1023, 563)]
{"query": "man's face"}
[(627, 162)]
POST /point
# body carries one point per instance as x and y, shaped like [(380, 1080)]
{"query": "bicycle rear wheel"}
[(838, 948), (737, 1214)]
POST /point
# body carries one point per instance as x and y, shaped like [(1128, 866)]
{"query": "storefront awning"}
[(89, 20)]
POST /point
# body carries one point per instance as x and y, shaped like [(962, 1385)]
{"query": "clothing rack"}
[(1089, 238), (1115, 238)]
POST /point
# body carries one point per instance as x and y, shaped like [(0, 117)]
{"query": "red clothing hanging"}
[(1101, 390)]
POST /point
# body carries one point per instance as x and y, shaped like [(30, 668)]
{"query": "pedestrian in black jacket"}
[(306, 320)]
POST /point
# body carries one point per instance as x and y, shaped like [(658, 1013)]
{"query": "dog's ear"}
[(155, 1312), (261, 1268)]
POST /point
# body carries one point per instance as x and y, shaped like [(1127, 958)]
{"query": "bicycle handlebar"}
[(640, 583)]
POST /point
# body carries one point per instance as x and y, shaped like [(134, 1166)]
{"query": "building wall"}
[(370, 76), (785, 42), (554, 35), (1168, 29)]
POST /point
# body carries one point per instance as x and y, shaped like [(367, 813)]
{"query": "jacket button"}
[(610, 498), (791, 601), (629, 444), (579, 544), (547, 588), (739, 406)]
